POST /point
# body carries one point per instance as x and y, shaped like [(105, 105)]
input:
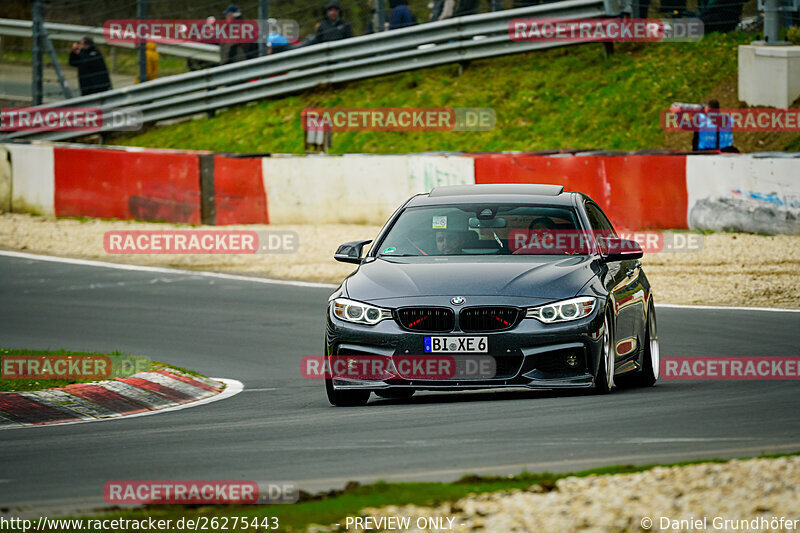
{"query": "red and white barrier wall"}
[(638, 191)]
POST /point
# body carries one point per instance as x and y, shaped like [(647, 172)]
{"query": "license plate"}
[(456, 344)]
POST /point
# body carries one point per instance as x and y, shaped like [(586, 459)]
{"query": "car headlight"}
[(572, 309), (358, 312)]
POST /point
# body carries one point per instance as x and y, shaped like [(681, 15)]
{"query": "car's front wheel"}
[(604, 381), (345, 398)]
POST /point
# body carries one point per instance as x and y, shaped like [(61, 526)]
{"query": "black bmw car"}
[(531, 277)]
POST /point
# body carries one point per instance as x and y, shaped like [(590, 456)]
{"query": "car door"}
[(626, 291)]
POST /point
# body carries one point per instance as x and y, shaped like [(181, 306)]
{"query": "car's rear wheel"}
[(396, 394), (652, 357), (604, 381)]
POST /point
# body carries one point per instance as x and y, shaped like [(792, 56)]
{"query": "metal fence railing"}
[(73, 33), (425, 45)]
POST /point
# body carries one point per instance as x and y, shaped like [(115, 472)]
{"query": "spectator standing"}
[(92, 71), (714, 132), (151, 55), (333, 27), (236, 51), (401, 16)]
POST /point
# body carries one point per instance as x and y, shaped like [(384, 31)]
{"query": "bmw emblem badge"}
[(457, 300)]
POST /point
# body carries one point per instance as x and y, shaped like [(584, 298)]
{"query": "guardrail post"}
[(208, 199), (38, 22), (141, 54), (380, 11), (263, 18)]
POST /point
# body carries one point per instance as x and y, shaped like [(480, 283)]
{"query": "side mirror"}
[(617, 249), (350, 252)]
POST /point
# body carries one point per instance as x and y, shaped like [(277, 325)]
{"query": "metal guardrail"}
[(73, 33), (425, 45)]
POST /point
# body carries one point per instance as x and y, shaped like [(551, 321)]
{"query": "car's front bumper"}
[(531, 355)]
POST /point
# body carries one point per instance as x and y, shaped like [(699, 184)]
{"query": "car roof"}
[(501, 193)]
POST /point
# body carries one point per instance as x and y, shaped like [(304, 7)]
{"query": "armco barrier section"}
[(744, 193), (239, 191), (127, 184), (32, 185), (635, 191), (353, 189)]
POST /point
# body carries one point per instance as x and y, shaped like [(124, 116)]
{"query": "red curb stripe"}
[(105, 398), (27, 411), (156, 388), (190, 381)]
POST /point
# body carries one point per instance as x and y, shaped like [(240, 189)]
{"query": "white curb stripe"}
[(232, 388), (202, 379), (61, 399), (53, 403), (180, 386), (147, 398)]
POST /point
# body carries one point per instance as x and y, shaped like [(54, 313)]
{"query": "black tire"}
[(651, 359), (345, 398), (604, 381), (395, 394)]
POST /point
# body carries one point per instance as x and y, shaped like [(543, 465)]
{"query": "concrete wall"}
[(353, 189), (769, 75), (743, 193), (32, 178)]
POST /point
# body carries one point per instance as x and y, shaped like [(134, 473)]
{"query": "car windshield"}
[(478, 229)]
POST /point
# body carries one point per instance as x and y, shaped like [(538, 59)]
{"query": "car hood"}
[(545, 277)]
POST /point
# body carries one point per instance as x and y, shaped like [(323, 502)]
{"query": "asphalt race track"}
[(281, 428)]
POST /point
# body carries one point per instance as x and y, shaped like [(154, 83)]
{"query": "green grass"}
[(19, 385), (556, 99), (333, 507)]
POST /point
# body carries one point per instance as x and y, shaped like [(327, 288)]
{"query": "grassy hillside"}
[(565, 98)]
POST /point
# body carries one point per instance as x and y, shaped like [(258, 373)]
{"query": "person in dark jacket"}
[(92, 72), (401, 16), (236, 51), (333, 27)]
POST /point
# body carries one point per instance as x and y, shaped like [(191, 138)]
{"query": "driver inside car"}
[(449, 242)]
